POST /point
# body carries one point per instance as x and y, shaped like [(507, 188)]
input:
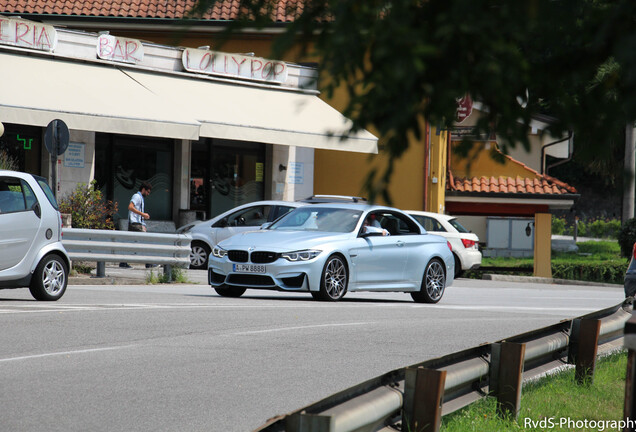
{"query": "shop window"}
[(225, 174), (21, 145), (129, 161), (237, 175)]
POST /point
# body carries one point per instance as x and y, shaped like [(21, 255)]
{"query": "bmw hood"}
[(281, 240)]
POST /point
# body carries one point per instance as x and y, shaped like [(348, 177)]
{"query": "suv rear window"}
[(47, 191)]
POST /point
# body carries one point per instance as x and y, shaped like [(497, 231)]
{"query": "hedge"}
[(612, 272)]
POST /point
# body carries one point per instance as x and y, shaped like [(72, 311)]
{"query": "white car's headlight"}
[(218, 252), (303, 255)]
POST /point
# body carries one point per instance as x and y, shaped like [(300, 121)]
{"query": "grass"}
[(555, 403), (178, 276)]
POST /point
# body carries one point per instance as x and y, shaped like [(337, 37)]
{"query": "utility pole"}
[(629, 185)]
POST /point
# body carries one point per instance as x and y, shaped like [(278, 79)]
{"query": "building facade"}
[(209, 130)]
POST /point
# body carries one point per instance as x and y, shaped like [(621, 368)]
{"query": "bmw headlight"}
[(218, 252), (303, 255)]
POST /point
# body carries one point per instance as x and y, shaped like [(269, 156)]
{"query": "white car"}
[(465, 243), (207, 234), (31, 251)]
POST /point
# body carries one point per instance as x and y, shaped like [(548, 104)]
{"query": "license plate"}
[(249, 268)]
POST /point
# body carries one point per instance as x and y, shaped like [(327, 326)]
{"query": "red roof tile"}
[(541, 185), (284, 11)]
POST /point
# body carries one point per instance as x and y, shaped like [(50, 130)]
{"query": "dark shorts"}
[(136, 227)]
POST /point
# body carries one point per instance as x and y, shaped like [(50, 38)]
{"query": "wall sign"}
[(27, 34), (233, 65), (295, 173), (74, 155), (119, 49)]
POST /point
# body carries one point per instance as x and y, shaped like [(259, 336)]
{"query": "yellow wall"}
[(480, 162)]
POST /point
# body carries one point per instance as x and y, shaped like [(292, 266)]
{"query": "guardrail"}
[(102, 246), (420, 394)]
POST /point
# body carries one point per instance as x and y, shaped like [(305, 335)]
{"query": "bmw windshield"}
[(319, 219)]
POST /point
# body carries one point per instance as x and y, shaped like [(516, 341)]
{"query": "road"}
[(179, 357)]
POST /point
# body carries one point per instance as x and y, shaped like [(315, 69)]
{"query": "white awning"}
[(252, 113), (36, 90)]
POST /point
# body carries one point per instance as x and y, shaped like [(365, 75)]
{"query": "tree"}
[(409, 60)]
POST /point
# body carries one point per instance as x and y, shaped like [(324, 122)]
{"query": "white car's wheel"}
[(334, 280), (199, 255), (433, 284), (50, 279), (458, 267)]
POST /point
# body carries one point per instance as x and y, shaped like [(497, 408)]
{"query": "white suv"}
[(31, 251)]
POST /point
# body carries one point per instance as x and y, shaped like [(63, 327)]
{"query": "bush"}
[(558, 225), (627, 237), (599, 271), (88, 208), (7, 162)]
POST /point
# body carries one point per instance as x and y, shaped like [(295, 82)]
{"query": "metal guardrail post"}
[(507, 375), (304, 422), (100, 271), (167, 272), (423, 399), (587, 349), (630, 380)]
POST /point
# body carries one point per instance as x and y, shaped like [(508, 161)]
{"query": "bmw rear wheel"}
[(433, 284), (334, 280), (50, 279), (199, 254)]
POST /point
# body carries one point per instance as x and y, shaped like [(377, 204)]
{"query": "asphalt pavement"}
[(139, 275)]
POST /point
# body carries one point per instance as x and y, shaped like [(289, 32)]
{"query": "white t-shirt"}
[(138, 201)]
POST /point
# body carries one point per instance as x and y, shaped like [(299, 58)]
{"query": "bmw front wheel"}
[(333, 283), (433, 283), (50, 279)]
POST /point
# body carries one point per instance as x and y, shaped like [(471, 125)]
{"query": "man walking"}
[(136, 214)]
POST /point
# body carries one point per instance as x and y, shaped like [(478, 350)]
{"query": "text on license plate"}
[(249, 268)]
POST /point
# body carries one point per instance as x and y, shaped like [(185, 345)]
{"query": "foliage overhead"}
[(408, 60)]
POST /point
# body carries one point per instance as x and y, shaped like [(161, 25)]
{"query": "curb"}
[(107, 280), (530, 279)]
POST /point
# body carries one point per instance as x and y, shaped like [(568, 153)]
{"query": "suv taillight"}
[(634, 251), (449, 245), (468, 243)]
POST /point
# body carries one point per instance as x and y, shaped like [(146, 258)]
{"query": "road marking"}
[(300, 328), (60, 308), (62, 353), (510, 308)]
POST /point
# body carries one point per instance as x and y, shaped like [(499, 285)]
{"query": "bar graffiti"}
[(233, 65), (119, 49), (27, 34)]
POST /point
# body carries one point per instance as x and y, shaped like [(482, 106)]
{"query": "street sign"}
[(56, 137), (464, 108)]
